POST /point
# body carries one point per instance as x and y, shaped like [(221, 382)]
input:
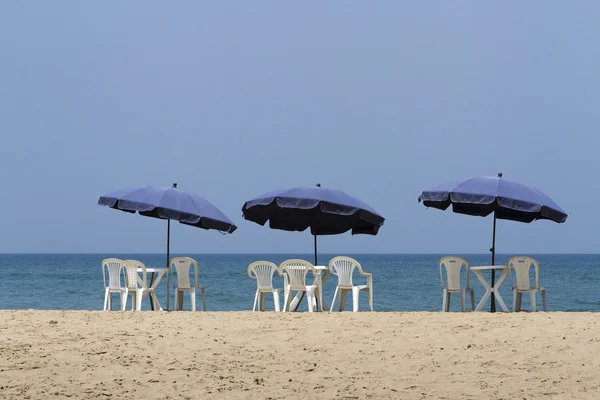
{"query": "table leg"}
[(300, 295), (324, 277), (497, 290), (154, 286), (159, 307), (488, 291), (296, 301)]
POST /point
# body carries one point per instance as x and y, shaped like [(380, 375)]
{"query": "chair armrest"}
[(365, 273)]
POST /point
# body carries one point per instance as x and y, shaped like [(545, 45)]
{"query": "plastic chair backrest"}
[(113, 267), (343, 267), (522, 266), (297, 271), (131, 267), (182, 265), (453, 267), (263, 272)]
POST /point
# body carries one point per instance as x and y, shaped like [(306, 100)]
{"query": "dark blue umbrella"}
[(485, 195), (325, 211), (169, 203)]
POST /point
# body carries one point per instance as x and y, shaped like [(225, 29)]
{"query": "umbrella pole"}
[(493, 249), (168, 257), (315, 236)]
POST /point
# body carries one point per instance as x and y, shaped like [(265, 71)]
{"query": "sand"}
[(243, 355)]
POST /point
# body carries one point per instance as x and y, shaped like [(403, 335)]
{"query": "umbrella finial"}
[(318, 185), (499, 174), (175, 185)]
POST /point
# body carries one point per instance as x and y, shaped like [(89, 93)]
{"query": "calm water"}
[(401, 282)]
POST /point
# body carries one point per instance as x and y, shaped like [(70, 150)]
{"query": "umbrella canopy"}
[(169, 203), (485, 195), (482, 196), (325, 211)]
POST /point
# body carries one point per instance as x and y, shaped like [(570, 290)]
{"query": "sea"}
[(401, 282)]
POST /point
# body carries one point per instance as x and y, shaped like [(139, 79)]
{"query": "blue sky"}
[(233, 99)]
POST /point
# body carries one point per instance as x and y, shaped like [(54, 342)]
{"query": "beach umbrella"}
[(482, 196), (325, 211), (170, 203)]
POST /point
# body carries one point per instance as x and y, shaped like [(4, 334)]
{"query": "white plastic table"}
[(299, 295), (160, 273), (489, 289)]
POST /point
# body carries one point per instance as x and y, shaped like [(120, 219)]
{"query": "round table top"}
[(487, 267)]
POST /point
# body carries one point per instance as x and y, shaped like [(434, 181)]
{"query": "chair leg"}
[(263, 295), (124, 299), (355, 293), (472, 300), (321, 300), (514, 300), (286, 300), (193, 298), (532, 300), (444, 300), (310, 296), (203, 299), (255, 301), (139, 299), (544, 299), (463, 300), (133, 299), (343, 293), (105, 308), (337, 288), (276, 301), (371, 298), (519, 301)]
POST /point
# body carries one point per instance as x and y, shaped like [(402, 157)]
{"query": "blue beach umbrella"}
[(325, 211), (483, 196), (169, 203)]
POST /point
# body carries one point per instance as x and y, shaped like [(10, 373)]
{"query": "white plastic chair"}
[(182, 266), (263, 272), (295, 272), (344, 267), (112, 267), (521, 267), (453, 267), (143, 289), (131, 286)]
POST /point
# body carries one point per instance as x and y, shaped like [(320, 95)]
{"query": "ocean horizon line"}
[(292, 252)]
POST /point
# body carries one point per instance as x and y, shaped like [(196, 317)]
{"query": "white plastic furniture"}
[(112, 267), (159, 273), (489, 289), (142, 290), (344, 268), (453, 267), (182, 266), (521, 267), (263, 272), (323, 271), (131, 286), (295, 273)]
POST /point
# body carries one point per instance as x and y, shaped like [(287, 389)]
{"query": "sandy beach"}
[(242, 355)]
